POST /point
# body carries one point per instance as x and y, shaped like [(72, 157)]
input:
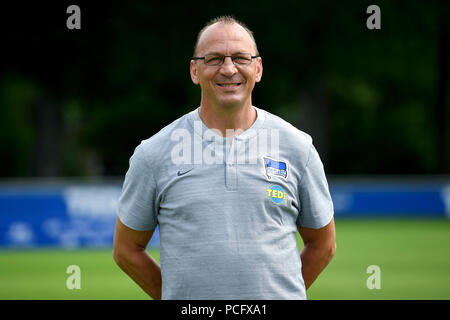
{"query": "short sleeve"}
[(316, 206), (136, 208)]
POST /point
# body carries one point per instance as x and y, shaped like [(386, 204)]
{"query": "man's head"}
[(225, 20), (231, 83)]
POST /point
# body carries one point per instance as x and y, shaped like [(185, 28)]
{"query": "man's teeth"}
[(228, 84)]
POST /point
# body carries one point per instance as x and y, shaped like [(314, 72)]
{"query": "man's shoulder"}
[(286, 129), (293, 144)]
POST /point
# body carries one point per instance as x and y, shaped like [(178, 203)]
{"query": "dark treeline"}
[(77, 102)]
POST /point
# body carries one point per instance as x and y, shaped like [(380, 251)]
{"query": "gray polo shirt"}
[(227, 210)]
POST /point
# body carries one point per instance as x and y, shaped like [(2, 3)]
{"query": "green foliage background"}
[(77, 102)]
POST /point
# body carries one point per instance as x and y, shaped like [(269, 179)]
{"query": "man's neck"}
[(229, 120)]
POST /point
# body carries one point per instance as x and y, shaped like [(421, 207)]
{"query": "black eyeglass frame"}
[(234, 56)]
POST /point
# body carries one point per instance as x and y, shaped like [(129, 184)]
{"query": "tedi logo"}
[(276, 194)]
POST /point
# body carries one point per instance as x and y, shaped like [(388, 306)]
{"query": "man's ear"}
[(194, 72), (259, 69)]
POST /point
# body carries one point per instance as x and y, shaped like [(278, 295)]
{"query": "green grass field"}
[(413, 255)]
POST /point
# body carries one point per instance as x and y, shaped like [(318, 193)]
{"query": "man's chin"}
[(229, 104)]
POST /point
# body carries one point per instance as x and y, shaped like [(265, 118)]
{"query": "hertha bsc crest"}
[(275, 168)]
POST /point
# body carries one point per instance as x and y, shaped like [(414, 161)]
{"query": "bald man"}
[(229, 186)]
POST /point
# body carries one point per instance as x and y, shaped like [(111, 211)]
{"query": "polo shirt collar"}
[(194, 118)]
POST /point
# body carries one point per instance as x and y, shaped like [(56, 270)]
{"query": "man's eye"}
[(214, 59), (241, 59)]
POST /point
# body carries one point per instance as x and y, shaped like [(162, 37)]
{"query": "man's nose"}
[(228, 68)]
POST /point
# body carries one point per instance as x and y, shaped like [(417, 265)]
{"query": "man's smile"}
[(229, 84)]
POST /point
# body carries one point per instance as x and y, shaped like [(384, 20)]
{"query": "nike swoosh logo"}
[(180, 173)]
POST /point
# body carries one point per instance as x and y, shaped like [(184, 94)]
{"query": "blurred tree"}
[(77, 102), (442, 113)]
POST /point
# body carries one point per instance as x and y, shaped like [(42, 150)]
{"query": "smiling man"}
[(227, 228), (231, 67)]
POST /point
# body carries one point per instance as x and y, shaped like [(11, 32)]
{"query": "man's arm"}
[(130, 254), (319, 249)]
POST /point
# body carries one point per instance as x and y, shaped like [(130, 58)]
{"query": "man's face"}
[(227, 85)]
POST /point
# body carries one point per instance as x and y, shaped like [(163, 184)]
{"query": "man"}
[(228, 202)]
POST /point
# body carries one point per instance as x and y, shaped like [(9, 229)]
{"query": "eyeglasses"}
[(242, 59)]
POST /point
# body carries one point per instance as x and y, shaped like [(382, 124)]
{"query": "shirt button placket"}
[(231, 169)]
